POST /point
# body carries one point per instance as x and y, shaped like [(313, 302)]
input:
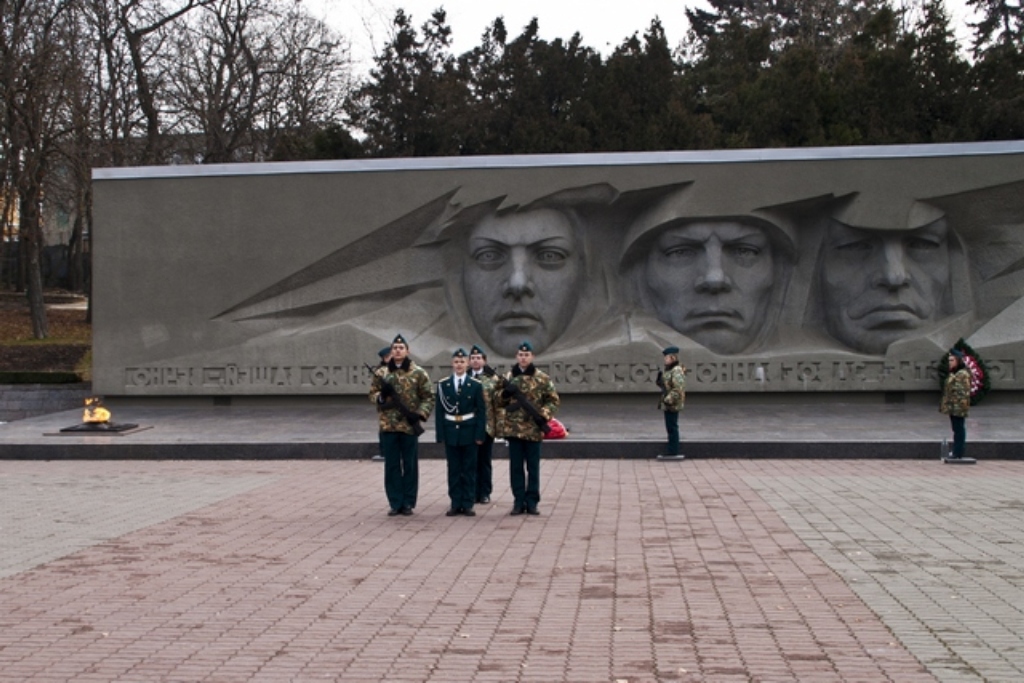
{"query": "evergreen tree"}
[(405, 107)]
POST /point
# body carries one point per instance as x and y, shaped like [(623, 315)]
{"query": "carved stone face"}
[(712, 281), (880, 285), (523, 278)]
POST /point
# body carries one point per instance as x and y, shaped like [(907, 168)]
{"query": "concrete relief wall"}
[(791, 270)]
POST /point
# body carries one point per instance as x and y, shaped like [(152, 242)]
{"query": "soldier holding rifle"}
[(527, 400), (672, 382), (405, 397)]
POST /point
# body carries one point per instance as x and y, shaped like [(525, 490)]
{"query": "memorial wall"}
[(799, 270)]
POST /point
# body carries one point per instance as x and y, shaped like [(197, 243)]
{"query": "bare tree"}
[(34, 41), (139, 26), (247, 71)]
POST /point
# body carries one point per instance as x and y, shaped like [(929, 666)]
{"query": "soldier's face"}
[(523, 278), (399, 352), (524, 358), (477, 362), (879, 285), (459, 365), (712, 282)]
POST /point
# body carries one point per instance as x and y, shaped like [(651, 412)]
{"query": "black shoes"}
[(460, 511), (469, 513), (532, 510), (405, 512), (483, 500), (517, 510), (392, 512), (453, 512)]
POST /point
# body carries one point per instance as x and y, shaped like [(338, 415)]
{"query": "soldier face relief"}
[(523, 277), (879, 285), (712, 281)]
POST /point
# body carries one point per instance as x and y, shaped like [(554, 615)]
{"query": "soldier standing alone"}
[(956, 401), (460, 422), (672, 382), (528, 396), (405, 397)]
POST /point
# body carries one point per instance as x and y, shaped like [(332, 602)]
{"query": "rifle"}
[(520, 398), (387, 390), (660, 381)]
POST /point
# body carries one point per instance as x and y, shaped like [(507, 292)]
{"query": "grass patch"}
[(64, 356)]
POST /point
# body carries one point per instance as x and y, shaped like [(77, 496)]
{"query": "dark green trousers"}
[(672, 428), (461, 475), (524, 471), (401, 468)]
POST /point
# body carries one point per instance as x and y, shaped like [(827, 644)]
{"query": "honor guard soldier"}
[(461, 424), (405, 398), (672, 382), (528, 400), (484, 374), (956, 402)]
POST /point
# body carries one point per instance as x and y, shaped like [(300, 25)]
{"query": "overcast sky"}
[(603, 24)]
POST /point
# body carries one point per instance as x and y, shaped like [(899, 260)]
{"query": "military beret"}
[(958, 354), (384, 352), (670, 351), (525, 346), (459, 353), (477, 349), (399, 339)]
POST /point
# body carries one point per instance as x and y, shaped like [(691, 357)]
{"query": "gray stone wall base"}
[(20, 401), (569, 449)]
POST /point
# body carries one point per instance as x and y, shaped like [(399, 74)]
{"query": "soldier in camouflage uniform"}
[(956, 400), (523, 434), (398, 439), (484, 469), (672, 382)]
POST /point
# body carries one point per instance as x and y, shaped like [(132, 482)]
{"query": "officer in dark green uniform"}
[(461, 425)]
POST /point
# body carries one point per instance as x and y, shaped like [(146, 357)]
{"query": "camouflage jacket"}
[(491, 391), (956, 394), (412, 384), (539, 390), (674, 394)]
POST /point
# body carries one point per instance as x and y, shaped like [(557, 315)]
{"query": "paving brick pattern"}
[(738, 570), (940, 557)]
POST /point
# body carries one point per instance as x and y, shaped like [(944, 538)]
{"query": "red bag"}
[(558, 430)]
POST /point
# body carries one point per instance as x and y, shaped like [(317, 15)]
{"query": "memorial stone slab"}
[(798, 270)]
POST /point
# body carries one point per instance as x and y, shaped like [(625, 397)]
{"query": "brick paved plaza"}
[(637, 570)]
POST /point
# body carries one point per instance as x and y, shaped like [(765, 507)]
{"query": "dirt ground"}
[(70, 337)]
